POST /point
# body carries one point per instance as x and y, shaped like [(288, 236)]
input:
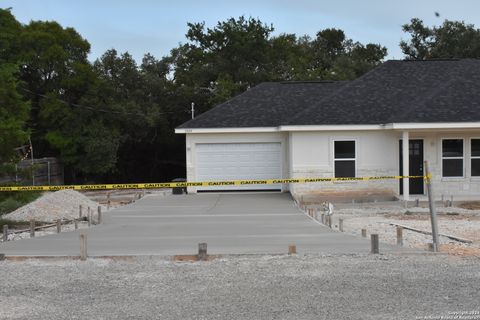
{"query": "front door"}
[(415, 148)]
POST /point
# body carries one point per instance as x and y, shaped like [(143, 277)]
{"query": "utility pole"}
[(193, 110)]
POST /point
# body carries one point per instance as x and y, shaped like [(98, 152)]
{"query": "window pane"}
[(475, 167), (345, 169), (452, 148), (475, 147), (452, 167), (344, 149)]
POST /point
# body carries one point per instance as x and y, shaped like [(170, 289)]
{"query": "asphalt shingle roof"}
[(395, 92), (268, 104)]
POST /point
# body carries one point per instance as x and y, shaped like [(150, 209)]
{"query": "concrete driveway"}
[(170, 225)]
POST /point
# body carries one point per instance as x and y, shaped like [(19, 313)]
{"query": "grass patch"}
[(10, 201)]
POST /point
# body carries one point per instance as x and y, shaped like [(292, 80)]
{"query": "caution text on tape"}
[(196, 184)]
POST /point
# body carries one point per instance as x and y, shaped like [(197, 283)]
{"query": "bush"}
[(10, 201), (25, 197), (8, 205)]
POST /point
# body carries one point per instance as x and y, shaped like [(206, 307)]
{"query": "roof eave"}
[(434, 125), (227, 130), (344, 127)]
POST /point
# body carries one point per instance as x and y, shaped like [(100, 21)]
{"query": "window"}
[(452, 157), (475, 157), (344, 159)]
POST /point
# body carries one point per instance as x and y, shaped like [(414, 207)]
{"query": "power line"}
[(91, 108)]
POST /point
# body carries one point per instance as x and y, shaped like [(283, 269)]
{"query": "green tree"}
[(10, 30), (452, 39), (13, 116), (138, 98), (53, 62), (220, 62)]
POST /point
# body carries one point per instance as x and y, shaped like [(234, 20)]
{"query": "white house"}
[(347, 129)]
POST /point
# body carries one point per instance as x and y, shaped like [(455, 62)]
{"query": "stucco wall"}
[(192, 139), (312, 156), (466, 186)]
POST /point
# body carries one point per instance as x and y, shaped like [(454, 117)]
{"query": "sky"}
[(149, 26)]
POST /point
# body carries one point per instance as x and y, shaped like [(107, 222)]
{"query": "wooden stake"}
[(374, 243), (292, 249), (83, 246), (364, 233), (5, 233), (399, 236), (75, 221), (340, 225), (59, 226), (32, 228), (99, 214), (202, 251), (433, 210), (80, 214)]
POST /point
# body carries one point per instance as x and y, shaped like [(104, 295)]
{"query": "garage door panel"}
[(238, 161)]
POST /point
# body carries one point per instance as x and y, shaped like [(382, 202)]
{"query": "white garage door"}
[(239, 161)]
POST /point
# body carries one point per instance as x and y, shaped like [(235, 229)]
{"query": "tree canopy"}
[(452, 39), (13, 117)]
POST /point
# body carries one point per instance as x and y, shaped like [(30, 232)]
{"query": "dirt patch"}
[(459, 250), (471, 205)]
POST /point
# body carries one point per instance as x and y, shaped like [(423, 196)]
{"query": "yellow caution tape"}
[(196, 184)]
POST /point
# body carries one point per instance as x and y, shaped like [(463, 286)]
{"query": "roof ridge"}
[(341, 89)]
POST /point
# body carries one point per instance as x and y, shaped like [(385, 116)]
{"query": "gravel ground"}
[(467, 228), (377, 217), (63, 204), (278, 287)]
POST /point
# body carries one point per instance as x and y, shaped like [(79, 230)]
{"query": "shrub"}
[(8, 205)]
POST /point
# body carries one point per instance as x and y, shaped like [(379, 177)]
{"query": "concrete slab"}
[(264, 223)]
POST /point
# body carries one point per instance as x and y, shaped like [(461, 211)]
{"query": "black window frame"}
[(453, 158), (472, 158), (345, 160)]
